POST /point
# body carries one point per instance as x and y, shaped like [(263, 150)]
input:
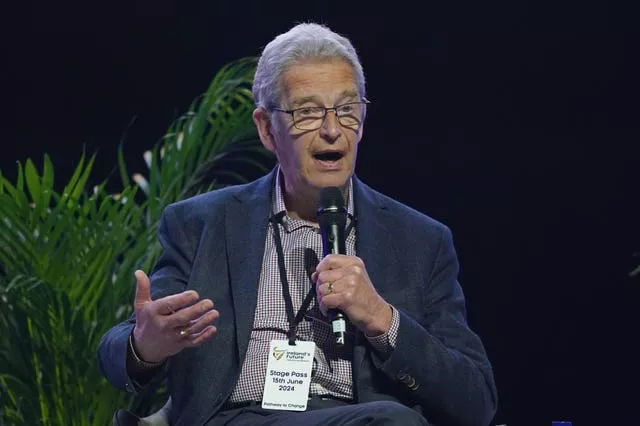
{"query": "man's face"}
[(313, 159)]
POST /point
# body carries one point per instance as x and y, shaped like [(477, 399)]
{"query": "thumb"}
[(143, 291)]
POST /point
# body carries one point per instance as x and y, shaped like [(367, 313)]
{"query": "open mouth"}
[(328, 156)]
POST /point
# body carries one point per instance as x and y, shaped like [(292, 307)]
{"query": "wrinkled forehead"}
[(321, 82)]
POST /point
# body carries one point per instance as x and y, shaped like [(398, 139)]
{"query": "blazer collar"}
[(375, 246), (246, 223)]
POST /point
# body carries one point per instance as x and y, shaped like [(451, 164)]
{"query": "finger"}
[(143, 291), (325, 299), (330, 276), (319, 297), (335, 261), (169, 304), (204, 321), (181, 333), (323, 309), (330, 301), (203, 336), (183, 317), (326, 289)]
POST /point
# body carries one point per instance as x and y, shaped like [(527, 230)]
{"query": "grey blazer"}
[(214, 243)]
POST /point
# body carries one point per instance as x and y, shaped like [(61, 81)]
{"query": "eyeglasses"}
[(311, 117)]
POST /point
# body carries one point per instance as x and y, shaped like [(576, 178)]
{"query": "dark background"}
[(515, 123)]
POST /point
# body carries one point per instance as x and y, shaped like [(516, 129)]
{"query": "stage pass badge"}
[(286, 386)]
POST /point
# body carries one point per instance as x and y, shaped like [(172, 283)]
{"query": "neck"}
[(304, 204), (302, 207)]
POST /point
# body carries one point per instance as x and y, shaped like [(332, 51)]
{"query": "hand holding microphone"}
[(343, 288)]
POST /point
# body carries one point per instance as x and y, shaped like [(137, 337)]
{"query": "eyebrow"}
[(348, 94), (299, 101), (303, 100)]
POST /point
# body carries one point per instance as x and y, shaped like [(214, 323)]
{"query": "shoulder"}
[(211, 205), (403, 216), (205, 202)]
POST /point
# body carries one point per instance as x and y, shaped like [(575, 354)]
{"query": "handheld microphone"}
[(332, 216)]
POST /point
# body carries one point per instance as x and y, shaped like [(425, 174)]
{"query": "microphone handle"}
[(336, 244), (339, 326)]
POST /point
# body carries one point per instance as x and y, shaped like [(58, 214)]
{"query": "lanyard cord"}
[(286, 293)]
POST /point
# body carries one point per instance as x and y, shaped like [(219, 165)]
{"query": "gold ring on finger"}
[(330, 288), (183, 332)]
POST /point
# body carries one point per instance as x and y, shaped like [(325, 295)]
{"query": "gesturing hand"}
[(342, 283), (166, 326)]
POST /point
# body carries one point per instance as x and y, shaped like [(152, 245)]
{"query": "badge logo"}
[(278, 353)]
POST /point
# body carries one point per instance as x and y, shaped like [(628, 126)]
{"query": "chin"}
[(338, 180)]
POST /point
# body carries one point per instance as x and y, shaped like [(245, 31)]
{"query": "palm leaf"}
[(67, 258), (195, 141), (57, 281)]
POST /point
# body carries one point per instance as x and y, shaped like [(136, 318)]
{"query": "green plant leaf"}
[(66, 267), (122, 167), (47, 182), (74, 177), (79, 187), (33, 181), (19, 196)]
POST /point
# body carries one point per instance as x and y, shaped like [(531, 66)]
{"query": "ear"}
[(263, 124), (360, 133)]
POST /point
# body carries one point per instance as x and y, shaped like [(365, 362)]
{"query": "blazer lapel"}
[(374, 242), (246, 229), (374, 246)]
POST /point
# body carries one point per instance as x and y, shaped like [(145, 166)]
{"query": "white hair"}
[(306, 41)]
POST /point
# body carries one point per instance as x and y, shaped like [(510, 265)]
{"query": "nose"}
[(330, 129)]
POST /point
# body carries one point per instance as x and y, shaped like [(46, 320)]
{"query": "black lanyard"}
[(294, 320), (286, 293)]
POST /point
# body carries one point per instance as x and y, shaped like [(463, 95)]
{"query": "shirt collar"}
[(278, 206)]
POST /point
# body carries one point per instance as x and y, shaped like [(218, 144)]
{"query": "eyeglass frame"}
[(364, 101)]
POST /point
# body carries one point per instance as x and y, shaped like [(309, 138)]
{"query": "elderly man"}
[(267, 354)]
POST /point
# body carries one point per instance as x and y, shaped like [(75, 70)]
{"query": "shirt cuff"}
[(139, 372), (385, 343)]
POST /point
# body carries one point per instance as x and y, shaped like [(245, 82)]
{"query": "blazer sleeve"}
[(169, 276), (438, 359)]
